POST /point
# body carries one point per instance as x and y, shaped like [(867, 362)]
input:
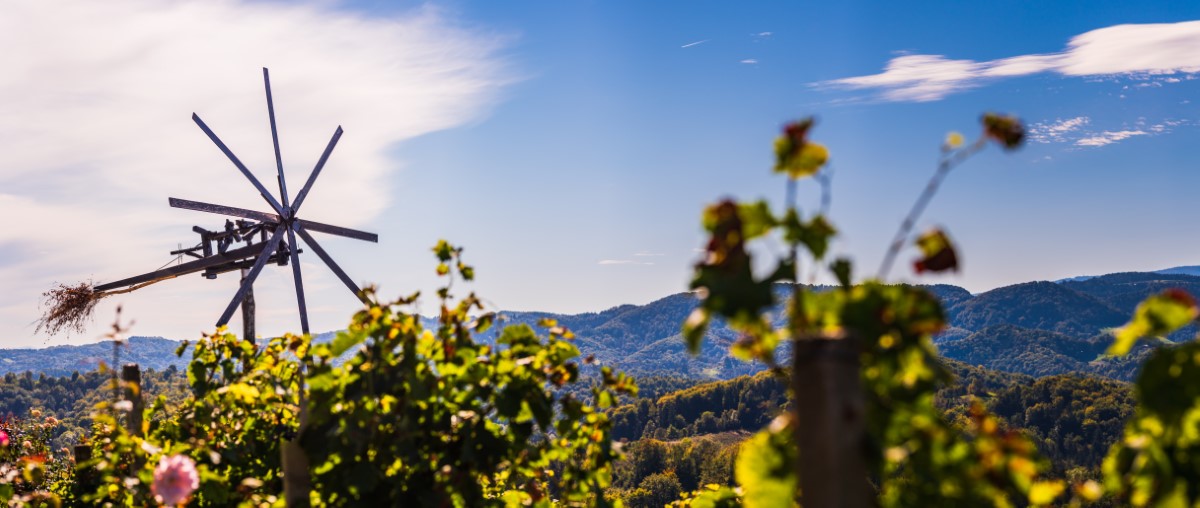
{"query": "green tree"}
[(656, 491)]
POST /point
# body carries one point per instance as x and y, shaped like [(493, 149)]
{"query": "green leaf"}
[(443, 250), (795, 154), (815, 234), (1156, 316), (346, 340), (765, 469), (694, 328), (756, 219), (841, 268)]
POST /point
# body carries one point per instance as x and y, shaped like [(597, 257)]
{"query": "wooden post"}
[(248, 332), (297, 480), (85, 477), (131, 376), (830, 425)]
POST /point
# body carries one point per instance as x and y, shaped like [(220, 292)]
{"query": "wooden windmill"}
[(262, 232)]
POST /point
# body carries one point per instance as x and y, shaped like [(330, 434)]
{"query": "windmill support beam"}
[(248, 309), (186, 268)]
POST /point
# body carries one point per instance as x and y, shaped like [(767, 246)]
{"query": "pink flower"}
[(175, 479), (3, 438)]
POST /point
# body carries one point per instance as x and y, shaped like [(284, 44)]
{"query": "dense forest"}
[(73, 399), (689, 438)]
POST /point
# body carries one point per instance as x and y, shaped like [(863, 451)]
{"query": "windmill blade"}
[(337, 270), (299, 281), (201, 206), (222, 210), (272, 244), (241, 167), (339, 231), (312, 177), (283, 193)]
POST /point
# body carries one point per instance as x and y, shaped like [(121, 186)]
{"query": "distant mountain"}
[(1178, 270), (1040, 306), (1182, 270), (1029, 351), (1035, 328), (150, 352), (1042, 328)]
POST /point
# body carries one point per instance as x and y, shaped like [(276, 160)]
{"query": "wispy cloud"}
[(622, 262), (1109, 137), (1074, 131), (647, 254), (1157, 49), (697, 43), (1056, 131), (96, 128), (750, 61)]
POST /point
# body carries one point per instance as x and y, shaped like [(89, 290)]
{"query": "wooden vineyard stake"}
[(830, 430)]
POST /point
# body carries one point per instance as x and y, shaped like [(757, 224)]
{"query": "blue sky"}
[(570, 146)]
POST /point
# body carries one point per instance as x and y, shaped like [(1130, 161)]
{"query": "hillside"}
[(150, 352), (1035, 328), (1011, 348), (1037, 305)]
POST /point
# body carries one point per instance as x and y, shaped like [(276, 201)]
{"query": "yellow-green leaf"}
[(799, 162), (1045, 492), (1156, 316), (765, 471)]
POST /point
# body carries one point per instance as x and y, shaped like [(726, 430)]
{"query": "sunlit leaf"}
[(765, 469), (797, 156), (694, 328), (756, 219), (1045, 492), (1156, 316)]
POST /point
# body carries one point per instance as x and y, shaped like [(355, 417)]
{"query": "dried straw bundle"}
[(68, 308)]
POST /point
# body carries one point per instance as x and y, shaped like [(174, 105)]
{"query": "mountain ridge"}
[(1038, 328)]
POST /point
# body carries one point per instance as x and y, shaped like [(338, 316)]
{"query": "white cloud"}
[(1109, 137), (697, 43), (749, 61), (1043, 132), (96, 132), (645, 253), (1074, 131), (1152, 49)]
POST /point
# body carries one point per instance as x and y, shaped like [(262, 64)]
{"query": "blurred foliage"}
[(916, 456), (31, 470), (415, 416)]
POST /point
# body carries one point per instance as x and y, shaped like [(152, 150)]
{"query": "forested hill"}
[(1036, 328), (149, 352), (695, 431)]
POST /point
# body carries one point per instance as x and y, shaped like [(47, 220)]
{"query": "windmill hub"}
[(263, 232)]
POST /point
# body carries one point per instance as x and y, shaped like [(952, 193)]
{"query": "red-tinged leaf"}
[(1004, 129), (939, 253)]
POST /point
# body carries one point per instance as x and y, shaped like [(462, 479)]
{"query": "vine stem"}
[(825, 178), (947, 163), (794, 251)]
